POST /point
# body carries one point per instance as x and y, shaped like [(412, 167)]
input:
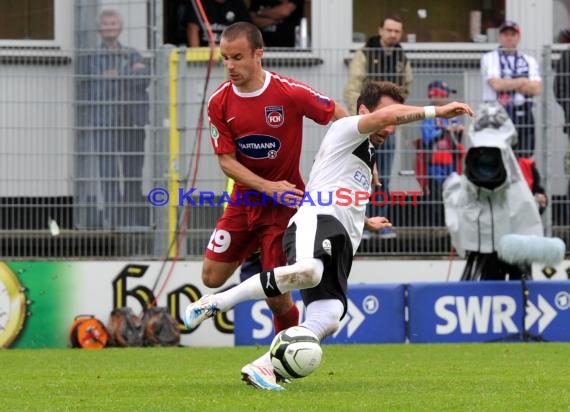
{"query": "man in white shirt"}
[(324, 234), (512, 78)]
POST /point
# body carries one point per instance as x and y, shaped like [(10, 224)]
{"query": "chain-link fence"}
[(86, 134)]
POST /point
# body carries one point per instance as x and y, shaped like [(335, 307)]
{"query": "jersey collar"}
[(258, 91)]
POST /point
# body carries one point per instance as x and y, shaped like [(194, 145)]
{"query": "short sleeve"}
[(190, 16), (220, 135), (313, 104), (490, 66), (343, 135), (533, 70)]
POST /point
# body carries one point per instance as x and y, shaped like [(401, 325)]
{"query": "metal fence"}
[(79, 151)]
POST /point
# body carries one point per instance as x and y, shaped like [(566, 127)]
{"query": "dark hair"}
[(373, 91), (394, 17), (247, 30)]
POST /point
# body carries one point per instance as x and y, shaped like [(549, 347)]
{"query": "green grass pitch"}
[(445, 377)]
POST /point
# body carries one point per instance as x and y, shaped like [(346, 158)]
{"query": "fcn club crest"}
[(274, 116)]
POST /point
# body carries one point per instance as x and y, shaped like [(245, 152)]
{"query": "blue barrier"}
[(548, 314), (464, 312), (375, 314), (436, 312), (489, 311)]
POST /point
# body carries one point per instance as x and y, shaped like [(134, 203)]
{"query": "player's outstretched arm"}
[(397, 114), (453, 109)]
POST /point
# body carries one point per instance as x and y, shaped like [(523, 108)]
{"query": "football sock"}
[(300, 275), (291, 318), (323, 317), (269, 284)]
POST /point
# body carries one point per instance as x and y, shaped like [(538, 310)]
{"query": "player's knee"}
[(211, 278), (215, 274), (308, 273)]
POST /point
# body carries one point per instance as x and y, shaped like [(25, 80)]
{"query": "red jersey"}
[(264, 128)]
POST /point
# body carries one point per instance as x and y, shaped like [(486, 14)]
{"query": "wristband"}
[(429, 112)]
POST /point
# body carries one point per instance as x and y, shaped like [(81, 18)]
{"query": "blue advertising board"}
[(465, 311), (375, 314), (548, 311), (489, 311)]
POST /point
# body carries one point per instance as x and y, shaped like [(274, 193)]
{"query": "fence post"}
[(547, 157)]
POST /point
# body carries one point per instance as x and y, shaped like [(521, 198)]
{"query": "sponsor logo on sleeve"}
[(325, 101), (215, 134)]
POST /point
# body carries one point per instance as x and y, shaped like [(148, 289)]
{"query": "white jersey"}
[(495, 64), (341, 176)]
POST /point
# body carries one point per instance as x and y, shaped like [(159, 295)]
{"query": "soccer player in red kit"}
[(256, 123)]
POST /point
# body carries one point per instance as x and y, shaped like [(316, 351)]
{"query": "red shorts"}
[(244, 229)]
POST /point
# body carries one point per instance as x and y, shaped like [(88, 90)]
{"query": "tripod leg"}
[(467, 272)]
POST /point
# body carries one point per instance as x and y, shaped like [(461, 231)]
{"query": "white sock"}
[(303, 274), (323, 317)]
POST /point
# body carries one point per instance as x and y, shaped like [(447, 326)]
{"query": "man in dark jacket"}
[(562, 93), (381, 59), (113, 110)]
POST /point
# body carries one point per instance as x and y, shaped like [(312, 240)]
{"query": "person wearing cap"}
[(439, 152), (512, 78), (381, 59)]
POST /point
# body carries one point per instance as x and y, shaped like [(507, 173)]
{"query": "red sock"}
[(286, 320)]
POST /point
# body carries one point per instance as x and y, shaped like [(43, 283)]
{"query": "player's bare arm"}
[(278, 12), (284, 190), (339, 111), (396, 114)]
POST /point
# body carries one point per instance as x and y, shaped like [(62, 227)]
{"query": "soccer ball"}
[(295, 352)]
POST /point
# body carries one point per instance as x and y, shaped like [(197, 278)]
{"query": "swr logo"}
[(483, 314)]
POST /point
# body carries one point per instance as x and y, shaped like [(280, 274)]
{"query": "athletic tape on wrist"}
[(429, 112)]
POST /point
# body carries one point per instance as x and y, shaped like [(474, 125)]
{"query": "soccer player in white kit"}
[(324, 234)]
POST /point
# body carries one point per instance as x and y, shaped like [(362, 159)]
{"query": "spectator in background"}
[(221, 14), (532, 178), (381, 59), (562, 93), (277, 20), (440, 152), (113, 111), (564, 36), (512, 78)]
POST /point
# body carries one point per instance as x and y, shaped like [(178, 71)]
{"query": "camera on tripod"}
[(490, 200)]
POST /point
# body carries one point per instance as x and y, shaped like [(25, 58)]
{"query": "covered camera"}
[(491, 199)]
